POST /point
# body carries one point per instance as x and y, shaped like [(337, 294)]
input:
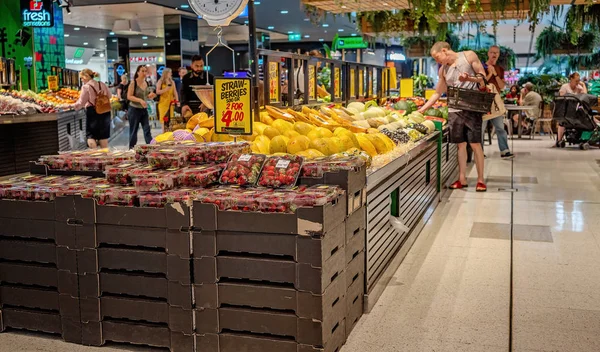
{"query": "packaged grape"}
[(277, 202), (153, 199), (167, 158), (199, 176), (142, 150), (243, 169), (218, 196), (154, 182), (119, 174), (124, 196), (281, 171)]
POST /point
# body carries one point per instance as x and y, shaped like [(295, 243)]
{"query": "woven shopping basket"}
[(470, 100)]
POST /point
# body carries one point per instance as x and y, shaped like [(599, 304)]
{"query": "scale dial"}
[(218, 12)]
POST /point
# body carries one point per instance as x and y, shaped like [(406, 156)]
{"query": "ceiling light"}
[(76, 28), (144, 37), (290, 32), (67, 35), (111, 33), (101, 39), (85, 43), (306, 36), (185, 6), (353, 34), (176, 8), (283, 12), (321, 40), (145, 44), (114, 40), (325, 25), (101, 54), (245, 22), (340, 30), (270, 27), (257, 3), (306, 19)]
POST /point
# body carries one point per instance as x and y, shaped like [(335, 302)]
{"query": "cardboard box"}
[(355, 223), (21, 209), (28, 228), (235, 342), (42, 321), (28, 251), (274, 297), (152, 262), (273, 323), (138, 309), (29, 298), (173, 216), (356, 245), (97, 334), (356, 269), (305, 221), (301, 249), (303, 277), (354, 304), (136, 285), (205, 270), (173, 242), (29, 274)]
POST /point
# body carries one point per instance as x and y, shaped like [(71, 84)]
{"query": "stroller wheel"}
[(562, 144), (584, 146)]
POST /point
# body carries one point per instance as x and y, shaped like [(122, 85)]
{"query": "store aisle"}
[(452, 292), (121, 140)]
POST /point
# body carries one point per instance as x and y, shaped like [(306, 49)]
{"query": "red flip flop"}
[(481, 187), (458, 185)]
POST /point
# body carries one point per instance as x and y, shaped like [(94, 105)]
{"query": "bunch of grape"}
[(398, 136)]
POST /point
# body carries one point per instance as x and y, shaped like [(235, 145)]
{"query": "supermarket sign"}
[(233, 106), (143, 59), (37, 13), (340, 43)]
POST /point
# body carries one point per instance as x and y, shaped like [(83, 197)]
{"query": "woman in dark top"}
[(122, 89), (513, 95), (137, 94), (97, 125)]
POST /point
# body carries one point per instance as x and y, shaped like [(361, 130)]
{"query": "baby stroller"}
[(574, 112)]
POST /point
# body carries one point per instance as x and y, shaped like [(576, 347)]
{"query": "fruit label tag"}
[(74, 178), (323, 187), (245, 157), (282, 164), (166, 150), (103, 186), (96, 154), (124, 165)]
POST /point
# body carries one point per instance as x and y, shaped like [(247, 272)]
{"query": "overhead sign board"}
[(350, 43), (294, 37), (37, 13)]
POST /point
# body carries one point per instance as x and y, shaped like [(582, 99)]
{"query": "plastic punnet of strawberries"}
[(154, 182), (246, 200), (167, 158), (277, 202), (314, 168), (119, 174), (217, 196), (199, 176), (243, 169), (142, 150), (153, 200), (281, 171), (180, 195), (317, 195), (125, 196)]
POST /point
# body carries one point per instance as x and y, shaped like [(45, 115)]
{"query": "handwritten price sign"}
[(233, 106)]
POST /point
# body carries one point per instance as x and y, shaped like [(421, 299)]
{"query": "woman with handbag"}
[(459, 69), (95, 98), (137, 94)]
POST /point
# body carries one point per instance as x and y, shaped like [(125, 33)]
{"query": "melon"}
[(358, 106), (278, 144), (260, 127), (319, 132), (298, 144), (282, 126), (347, 142), (340, 131), (366, 145), (335, 145), (320, 144), (271, 132), (291, 134), (303, 128)]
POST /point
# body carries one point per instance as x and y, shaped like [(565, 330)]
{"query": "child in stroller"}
[(574, 112)]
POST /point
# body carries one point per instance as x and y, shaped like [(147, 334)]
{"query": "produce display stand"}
[(26, 137)]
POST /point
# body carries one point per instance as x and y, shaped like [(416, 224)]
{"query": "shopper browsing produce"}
[(495, 75), (575, 86), (137, 94), (95, 97), (190, 104), (458, 70), (168, 93)]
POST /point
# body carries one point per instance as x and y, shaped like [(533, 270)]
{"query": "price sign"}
[(337, 80), (352, 83), (233, 106), (361, 83), (312, 83), (274, 81), (53, 82)]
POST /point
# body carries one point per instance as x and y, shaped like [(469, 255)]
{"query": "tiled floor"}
[(452, 292)]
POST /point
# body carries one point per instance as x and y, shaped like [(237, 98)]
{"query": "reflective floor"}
[(453, 290)]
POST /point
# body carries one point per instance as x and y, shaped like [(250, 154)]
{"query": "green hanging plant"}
[(550, 40)]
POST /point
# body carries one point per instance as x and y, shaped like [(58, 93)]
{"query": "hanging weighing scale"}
[(220, 13)]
